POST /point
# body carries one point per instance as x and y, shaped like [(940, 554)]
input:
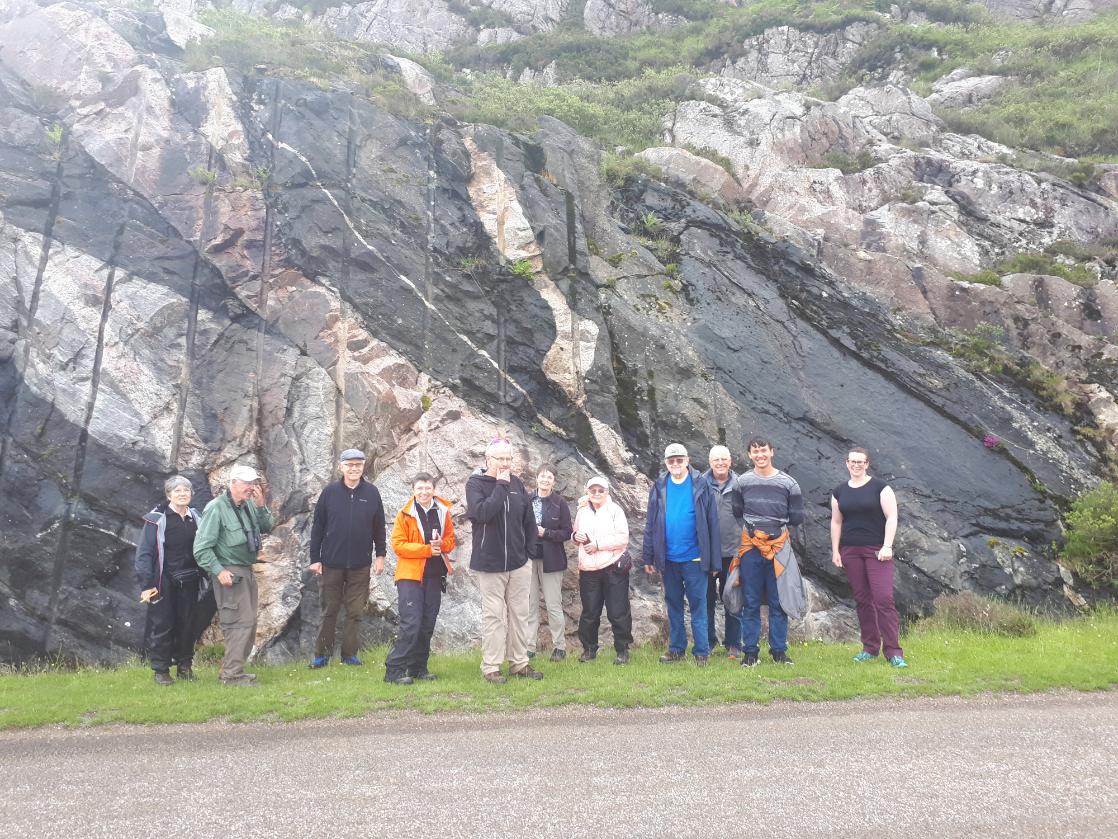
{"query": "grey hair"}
[(501, 443), (718, 450), (174, 482)]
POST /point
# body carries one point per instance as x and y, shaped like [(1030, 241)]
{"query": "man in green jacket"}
[(227, 545)]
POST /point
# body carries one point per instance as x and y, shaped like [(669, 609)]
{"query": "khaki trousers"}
[(551, 583), (504, 618), (338, 587), (236, 611)]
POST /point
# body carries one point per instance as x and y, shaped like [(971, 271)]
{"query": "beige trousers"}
[(236, 611), (552, 586), (504, 618)]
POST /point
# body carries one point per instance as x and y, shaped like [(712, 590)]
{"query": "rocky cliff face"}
[(203, 268)]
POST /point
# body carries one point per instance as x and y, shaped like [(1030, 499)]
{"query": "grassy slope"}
[(1080, 655), (1065, 99)]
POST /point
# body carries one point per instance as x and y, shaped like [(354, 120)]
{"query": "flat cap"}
[(351, 454)]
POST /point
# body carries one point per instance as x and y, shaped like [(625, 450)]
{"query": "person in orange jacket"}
[(422, 539)]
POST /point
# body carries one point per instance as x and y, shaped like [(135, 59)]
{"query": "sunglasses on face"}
[(674, 460), (597, 491)]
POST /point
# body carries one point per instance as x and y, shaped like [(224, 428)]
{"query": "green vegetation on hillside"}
[(1077, 654), (1092, 545), (1064, 97)]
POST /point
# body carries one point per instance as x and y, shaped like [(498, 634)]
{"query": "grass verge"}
[(1078, 655)]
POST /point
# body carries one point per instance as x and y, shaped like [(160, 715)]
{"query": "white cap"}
[(675, 450), (243, 473), (598, 481)]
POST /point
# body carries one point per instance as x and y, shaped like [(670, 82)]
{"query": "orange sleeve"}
[(406, 540)]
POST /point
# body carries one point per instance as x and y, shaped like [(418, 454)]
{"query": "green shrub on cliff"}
[(1092, 544)]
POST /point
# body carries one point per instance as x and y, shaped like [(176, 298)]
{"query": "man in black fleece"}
[(348, 526), (504, 534)]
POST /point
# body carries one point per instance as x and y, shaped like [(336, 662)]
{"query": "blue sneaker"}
[(863, 657), (320, 661), (898, 661), (351, 659)]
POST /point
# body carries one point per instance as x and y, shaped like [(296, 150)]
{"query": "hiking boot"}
[(750, 660), (702, 660), (401, 679), (622, 657), (898, 661), (863, 657), (558, 655), (245, 680), (352, 661), (424, 676), (494, 678), (782, 658), (319, 661), (671, 658), (733, 653), (588, 655), (531, 654), (164, 678), (184, 673), (526, 672)]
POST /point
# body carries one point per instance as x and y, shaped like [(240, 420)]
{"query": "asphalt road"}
[(991, 766)]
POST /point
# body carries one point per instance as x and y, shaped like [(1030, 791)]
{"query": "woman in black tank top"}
[(863, 526)]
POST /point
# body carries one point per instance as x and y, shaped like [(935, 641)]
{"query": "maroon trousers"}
[(872, 582)]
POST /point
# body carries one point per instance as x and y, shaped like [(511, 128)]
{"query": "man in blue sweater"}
[(771, 500), (681, 542)]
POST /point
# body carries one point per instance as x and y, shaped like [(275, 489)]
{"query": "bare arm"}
[(889, 508), (836, 532)]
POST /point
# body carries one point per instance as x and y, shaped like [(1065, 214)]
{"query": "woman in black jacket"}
[(169, 580), (549, 562)]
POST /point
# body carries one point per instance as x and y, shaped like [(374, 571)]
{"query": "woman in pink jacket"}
[(602, 536)]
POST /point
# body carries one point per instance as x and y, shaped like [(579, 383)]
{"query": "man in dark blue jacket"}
[(681, 542), (504, 536), (348, 527)]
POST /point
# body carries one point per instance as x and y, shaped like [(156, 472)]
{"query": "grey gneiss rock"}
[(914, 204), (200, 269), (784, 56)]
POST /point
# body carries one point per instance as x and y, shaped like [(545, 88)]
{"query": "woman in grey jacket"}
[(169, 580)]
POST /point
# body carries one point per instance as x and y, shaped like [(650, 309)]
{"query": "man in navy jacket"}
[(348, 527), (681, 541)]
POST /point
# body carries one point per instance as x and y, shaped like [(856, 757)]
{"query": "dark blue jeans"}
[(758, 579), (688, 578), (733, 622)]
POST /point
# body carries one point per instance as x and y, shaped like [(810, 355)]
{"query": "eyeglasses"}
[(676, 459), (597, 491), (502, 459), (857, 462)]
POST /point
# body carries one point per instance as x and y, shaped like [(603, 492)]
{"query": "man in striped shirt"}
[(771, 500)]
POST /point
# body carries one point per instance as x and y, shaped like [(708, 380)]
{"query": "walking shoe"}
[(352, 660), (898, 661), (531, 654), (863, 657), (558, 655), (526, 672), (164, 679), (402, 679), (185, 673), (622, 657), (750, 660), (782, 658), (733, 653), (494, 678), (588, 655), (319, 661), (425, 676), (702, 660), (245, 680), (671, 658)]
